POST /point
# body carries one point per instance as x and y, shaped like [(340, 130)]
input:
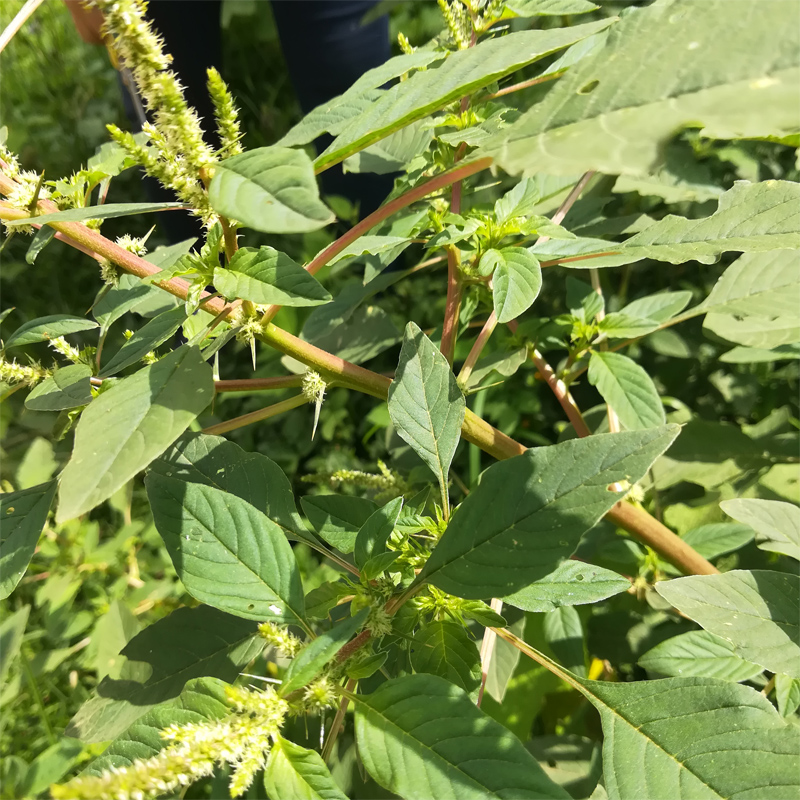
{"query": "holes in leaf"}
[(588, 88)]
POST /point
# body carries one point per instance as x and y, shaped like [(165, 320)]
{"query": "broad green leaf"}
[(517, 281), (268, 276), (425, 403), (108, 638), (125, 428), (331, 117), (370, 245), (572, 761), (23, 516), (519, 201), (227, 553), (67, 387), (11, 630), (497, 365), (202, 700), (45, 328), (367, 666), (337, 518), (659, 307), (503, 664), (153, 334), (760, 332), (375, 532), (618, 325), (368, 331), (106, 211), (777, 525), (548, 8), (447, 650), (529, 512), (377, 565), (297, 773), (460, 74), (40, 240), (787, 693), (758, 284), (571, 583), (189, 643), (627, 388), (718, 538), (51, 765), (37, 465), (563, 632), (756, 355), (597, 117), (692, 739), (669, 186), (422, 737), (758, 612), (269, 189), (214, 461), (308, 663), (698, 654), (392, 153)]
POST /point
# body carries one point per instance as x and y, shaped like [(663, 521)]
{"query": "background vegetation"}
[(89, 576)]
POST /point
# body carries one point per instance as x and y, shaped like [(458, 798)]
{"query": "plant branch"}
[(562, 393), (516, 87), (338, 720), (257, 416), (487, 649), (452, 305), (477, 349), (474, 429), (258, 384), (384, 212), (19, 20)]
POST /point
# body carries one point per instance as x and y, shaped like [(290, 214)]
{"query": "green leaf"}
[(698, 654), (529, 512), (760, 332), (425, 403), (23, 516), (51, 765), (297, 773), (460, 74), (755, 355), (331, 117), (45, 328), (777, 525), (190, 643), (787, 693), (548, 8), (758, 284), (106, 211), (564, 633), (11, 630), (308, 663), (67, 387), (517, 281), (367, 666), (368, 332), (421, 737), (40, 240), (377, 565), (692, 738), (269, 189), (658, 307), (125, 428), (370, 245), (447, 650), (227, 553), (503, 665), (214, 461), (628, 389), (518, 202), (718, 538), (202, 700), (266, 275), (497, 365), (617, 325), (392, 153), (598, 118), (571, 583), (375, 532), (337, 518), (153, 334), (756, 611)]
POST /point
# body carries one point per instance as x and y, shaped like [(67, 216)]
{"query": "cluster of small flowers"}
[(387, 483), (241, 739), (458, 22), (64, 348), (226, 113), (405, 45), (178, 155), (13, 373), (23, 195), (320, 694), (379, 622), (283, 641), (10, 162)]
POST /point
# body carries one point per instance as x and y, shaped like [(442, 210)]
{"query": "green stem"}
[(258, 384), (257, 416), (477, 349)]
